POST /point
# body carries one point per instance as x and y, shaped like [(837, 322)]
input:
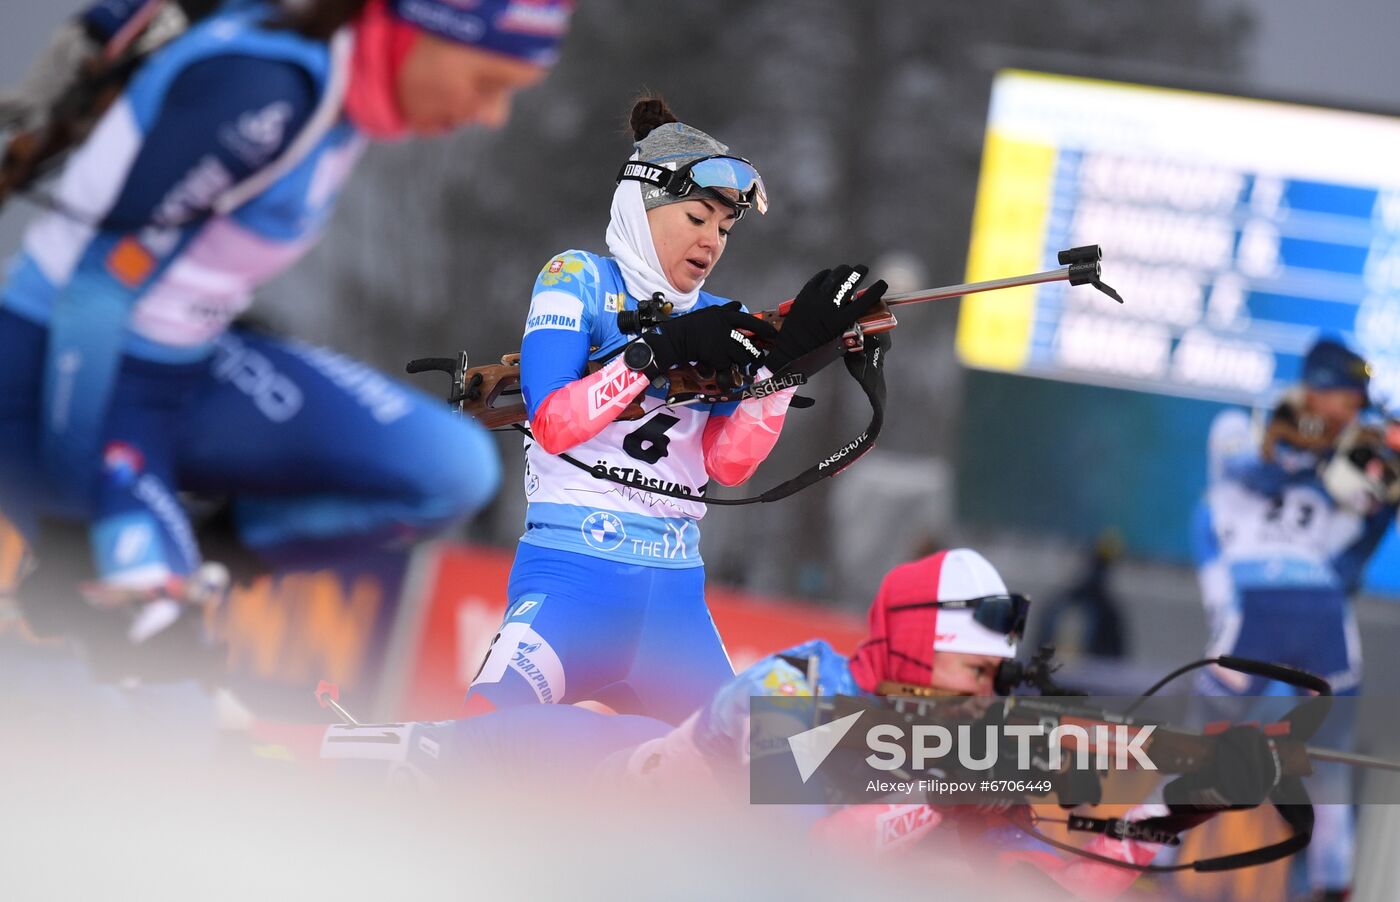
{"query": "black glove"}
[(1074, 787), (821, 313), (1242, 771), (710, 338)]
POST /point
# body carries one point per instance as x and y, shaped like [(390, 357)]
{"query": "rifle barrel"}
[(1353, 759), (920, 295)]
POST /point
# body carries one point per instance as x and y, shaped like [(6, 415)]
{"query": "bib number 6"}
[(648, 443)]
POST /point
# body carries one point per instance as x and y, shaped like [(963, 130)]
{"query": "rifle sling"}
[(866, 366), (1298, 816)]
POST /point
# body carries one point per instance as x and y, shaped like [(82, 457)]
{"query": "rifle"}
[(1172, 751), (491, 393)]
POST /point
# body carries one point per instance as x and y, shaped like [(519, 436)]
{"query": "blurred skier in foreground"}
[(217, 167)]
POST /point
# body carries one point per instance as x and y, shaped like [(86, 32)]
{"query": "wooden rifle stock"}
[(493, 391)]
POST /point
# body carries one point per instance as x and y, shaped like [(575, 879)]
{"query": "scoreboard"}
[(1237, 230)]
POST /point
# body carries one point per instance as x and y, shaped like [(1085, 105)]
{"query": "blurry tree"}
[(866, 119)]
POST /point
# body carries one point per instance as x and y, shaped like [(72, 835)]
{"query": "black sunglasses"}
[(1004, 614)]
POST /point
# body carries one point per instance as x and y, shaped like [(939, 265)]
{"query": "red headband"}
[(900, 644)]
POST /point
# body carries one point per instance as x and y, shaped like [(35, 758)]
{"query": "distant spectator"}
[(1091, 598)]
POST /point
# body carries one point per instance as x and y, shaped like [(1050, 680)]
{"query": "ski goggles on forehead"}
[(1003, 614), (734, 179)]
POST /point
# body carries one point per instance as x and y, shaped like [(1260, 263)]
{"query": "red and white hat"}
[(907, 628)]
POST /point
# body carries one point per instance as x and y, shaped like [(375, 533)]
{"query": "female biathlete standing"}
[(217, 168), (607, 592)]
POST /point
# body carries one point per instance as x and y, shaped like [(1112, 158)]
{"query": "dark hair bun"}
[(648, 112)]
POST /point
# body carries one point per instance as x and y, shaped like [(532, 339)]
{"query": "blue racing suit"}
[(1277, 559), (1267, 537), (217, 168)]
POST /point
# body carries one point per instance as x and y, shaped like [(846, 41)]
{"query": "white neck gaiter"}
[(629, 241)]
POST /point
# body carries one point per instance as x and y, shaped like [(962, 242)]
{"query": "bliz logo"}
[(642, 171), (603, 531)]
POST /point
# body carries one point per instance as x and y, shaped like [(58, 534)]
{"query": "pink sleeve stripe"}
[(735, 445), (583, 408)]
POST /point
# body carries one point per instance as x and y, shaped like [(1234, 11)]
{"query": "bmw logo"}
[(603, 531)]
